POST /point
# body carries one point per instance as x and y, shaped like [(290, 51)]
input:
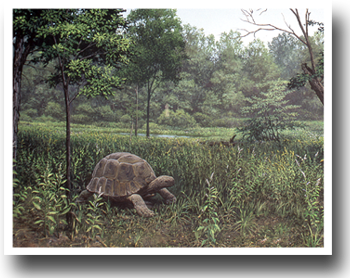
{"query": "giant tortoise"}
[(124, 177)]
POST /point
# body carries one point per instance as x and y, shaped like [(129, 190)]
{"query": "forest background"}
[(213, 85)]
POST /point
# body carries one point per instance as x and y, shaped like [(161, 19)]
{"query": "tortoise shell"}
[(120, 175)]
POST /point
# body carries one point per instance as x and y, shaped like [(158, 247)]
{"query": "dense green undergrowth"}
[(261, 194)]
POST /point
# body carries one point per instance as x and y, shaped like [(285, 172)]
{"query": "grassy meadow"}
[(265, 194)]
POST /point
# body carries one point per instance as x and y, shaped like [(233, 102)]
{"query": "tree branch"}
[(266, 26), (74, 97), (93, 55), (306, 34), (81, 51)]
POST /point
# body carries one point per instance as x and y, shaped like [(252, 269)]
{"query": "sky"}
[(217, 21), (220, 16)]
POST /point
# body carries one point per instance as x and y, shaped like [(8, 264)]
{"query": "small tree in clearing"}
[(269, 114)]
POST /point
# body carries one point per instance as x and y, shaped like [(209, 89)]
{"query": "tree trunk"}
[(22, 50), (315, 83), (148, 103), (65, 82), (68, 151), (137, 109), (16, 106)]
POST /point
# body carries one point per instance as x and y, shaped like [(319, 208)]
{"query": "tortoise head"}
[(161, 182)]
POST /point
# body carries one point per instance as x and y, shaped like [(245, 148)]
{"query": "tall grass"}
[(251, 181)]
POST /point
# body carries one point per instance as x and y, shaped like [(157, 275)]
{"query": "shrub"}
[(125, 120), (55, 110), (29, 113), (270, 114), (45, 119), (202, 119), (225, 122), (105, 113), (152, 126), (81, 119), (177, 119)]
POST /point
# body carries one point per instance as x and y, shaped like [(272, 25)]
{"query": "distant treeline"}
[(215, 80)]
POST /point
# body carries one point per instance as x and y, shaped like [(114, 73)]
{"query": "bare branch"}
[(288, 25), (247, 16), (296, 13), (315, 83), (307, 16), (75, 96), (262, 11), (93, 55), (268, 27), (255, 31), (90, 45)]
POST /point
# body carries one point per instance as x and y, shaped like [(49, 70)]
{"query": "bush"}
[(125, 121), (202, 119), (29, 113), (226, 122), (270, 114), (81, 119), (45, 119), (152, 126), (177, 119), (105, 113), (55, 110)]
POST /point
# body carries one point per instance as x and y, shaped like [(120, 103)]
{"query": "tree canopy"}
[(89, 48), (158, 45), (177, 70)]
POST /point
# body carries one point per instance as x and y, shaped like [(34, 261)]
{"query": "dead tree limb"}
[(315, 82)]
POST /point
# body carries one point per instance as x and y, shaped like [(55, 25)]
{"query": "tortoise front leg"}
[(140, 206), (169, 198)]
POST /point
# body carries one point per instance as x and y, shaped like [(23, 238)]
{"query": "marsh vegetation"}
[(256, 194)]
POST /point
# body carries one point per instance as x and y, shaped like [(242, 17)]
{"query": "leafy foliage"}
[(209, 216), (88, 47), (270, 115), (176, 119), (300, 79), (50, 200), (158, 44), (288, 54), (214, 81)]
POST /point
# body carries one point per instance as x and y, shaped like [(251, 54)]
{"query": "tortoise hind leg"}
[(140, 206)]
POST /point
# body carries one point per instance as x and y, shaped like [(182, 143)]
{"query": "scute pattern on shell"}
[(120, 175)]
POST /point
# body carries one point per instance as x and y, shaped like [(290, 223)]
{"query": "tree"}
[(159, 45), (311, 74), (270, 114), (201, 51), (286, 51), (35, 91), (227, 76), (289, 53), (258, 69), (178, 119), (89, 47), (25, 42)]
